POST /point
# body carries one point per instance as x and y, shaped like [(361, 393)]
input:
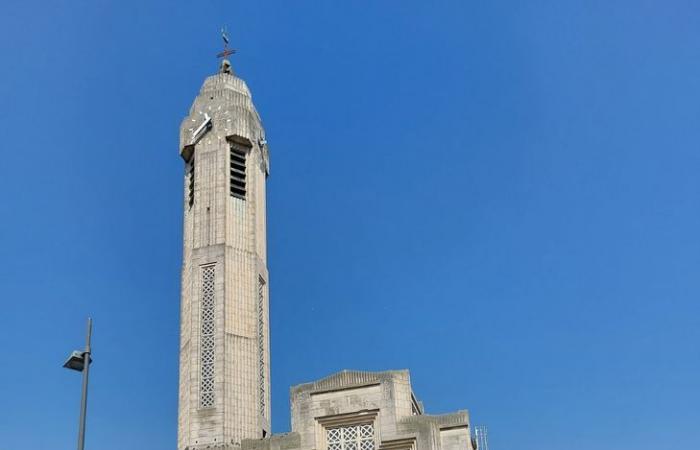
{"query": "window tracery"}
[(352, 437), (261, 344), (208, 325)]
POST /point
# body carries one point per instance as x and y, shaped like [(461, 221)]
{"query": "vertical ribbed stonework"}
[(224, 345)]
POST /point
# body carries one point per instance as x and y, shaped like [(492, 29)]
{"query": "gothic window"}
[(190, 183), (261, 343), (353, 437), (237, 179), (207, 338)]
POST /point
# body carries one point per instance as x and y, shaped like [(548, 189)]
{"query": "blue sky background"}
[(502, 196)]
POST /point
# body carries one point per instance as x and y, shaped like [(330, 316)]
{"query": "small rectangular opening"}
[(238, 193), (237, 173), (190, 190)]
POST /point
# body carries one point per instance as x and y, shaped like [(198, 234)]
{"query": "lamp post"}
[(80, 361)]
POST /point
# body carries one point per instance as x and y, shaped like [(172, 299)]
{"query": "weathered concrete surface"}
[(224, 401), (226, 398)]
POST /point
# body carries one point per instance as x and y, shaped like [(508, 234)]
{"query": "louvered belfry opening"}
[(238, 176), (190, 193)]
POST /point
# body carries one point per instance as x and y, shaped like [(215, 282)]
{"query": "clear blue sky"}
[(502, 196)]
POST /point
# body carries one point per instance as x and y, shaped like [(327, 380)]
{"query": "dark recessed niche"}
[(238, 172)]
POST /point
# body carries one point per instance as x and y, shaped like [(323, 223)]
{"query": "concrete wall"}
[(386, 400)]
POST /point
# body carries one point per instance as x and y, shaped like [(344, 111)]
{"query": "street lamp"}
[(76, 361)]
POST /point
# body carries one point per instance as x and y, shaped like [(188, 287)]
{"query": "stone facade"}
[(224, 350), (355, 410)]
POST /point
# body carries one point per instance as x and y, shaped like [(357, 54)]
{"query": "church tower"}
[(224, 392)]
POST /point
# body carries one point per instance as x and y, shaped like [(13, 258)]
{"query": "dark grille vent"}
[(238, 173), (191, 184)]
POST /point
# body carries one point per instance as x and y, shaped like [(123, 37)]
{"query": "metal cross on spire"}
[(227, 51)]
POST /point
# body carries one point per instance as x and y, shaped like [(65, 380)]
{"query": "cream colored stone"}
[(230, 233)]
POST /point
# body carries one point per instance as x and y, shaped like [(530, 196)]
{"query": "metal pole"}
[(83, 401)]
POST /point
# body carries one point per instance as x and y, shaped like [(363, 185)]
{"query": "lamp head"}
[(76, 361)]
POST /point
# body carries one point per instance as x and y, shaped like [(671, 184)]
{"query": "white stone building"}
[(224, 390)]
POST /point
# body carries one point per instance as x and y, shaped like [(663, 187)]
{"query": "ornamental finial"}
[(225, 66), (227, 51)]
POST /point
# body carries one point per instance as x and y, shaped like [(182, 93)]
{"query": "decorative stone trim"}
[(355, 418), (345, 380), (399, 444)]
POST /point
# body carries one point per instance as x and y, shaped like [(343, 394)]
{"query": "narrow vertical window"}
[(261, 343), (238, 181), (190, 183), (208, 326)]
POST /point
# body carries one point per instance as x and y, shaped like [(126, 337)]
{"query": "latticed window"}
[(238, 182), (208, 328), (353, 437), (261, 343)]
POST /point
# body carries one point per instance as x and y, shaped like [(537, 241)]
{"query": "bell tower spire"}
[(224, 389)]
